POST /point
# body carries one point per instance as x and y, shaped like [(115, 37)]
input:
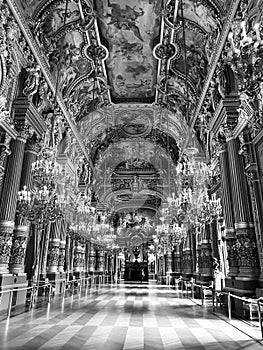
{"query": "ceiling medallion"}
[(167, 51), (95, 52), (133, 125)]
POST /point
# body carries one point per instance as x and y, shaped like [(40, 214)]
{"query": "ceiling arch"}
[(130, 75)]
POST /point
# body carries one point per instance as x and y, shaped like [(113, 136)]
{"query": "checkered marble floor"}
[(123, 316)]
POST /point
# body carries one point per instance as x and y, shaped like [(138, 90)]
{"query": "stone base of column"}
[(177, 273), (233, 272), (240, 287), (187, 276), (18, 249), (79, 274), (6, 232), (58, 280), (204, 279), (248, 273), (10, 282)]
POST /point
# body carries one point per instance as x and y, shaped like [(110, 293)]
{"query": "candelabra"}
[(211, 209)]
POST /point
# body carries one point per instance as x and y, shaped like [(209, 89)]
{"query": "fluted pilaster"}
[(12, 180), (242, 212), (22, 225), (228, 213), (9, 196), (246, 241), (226, 193)]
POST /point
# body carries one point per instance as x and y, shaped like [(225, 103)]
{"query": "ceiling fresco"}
[(130, 29), (130, 74)]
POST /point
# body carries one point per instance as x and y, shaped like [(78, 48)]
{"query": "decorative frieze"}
[(61, 260), (247, 256), (78, 258), (6, 234), (232, 256), (18, 249), (53, 255)]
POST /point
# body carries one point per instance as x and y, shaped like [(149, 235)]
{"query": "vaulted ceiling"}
[(130, 73)]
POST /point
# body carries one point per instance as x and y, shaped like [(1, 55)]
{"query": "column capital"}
[(23, 129), (33, 143)]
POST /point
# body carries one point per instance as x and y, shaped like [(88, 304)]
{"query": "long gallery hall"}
[(131, 174), (125, 316)]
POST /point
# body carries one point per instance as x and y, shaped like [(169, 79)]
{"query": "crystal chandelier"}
[(39, 205), (211, 209)]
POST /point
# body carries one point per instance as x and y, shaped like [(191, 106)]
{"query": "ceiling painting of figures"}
[(130, 29)]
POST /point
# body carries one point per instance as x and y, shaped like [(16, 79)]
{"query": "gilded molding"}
[(45, 70)]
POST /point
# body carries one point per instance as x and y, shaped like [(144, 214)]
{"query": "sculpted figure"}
[(32, 81)]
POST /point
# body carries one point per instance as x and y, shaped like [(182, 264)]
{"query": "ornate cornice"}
[(25, 110), (227, 107)]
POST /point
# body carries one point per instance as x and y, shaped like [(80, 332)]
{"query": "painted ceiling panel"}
[(197, 12), (130, 30)]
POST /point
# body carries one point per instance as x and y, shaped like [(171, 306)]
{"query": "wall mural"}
[(197, 60), (71, 63), (130, 32), (197, 12)]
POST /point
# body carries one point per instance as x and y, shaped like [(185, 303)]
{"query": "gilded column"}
[(252, 173), (242, 212), (22, 225), (228, 213), (9, 195), (246, 240)]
